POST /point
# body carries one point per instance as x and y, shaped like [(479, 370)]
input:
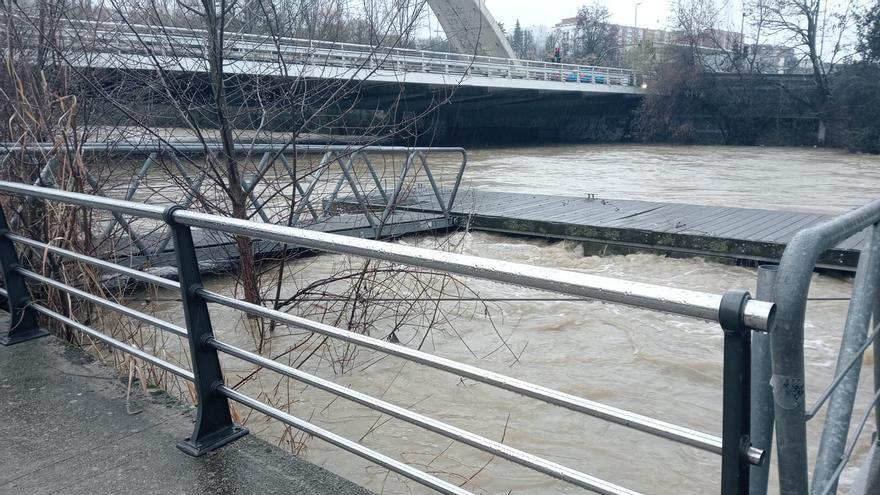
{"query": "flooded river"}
[(650, 363)]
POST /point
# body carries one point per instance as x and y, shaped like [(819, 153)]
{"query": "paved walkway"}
[(64, 429)]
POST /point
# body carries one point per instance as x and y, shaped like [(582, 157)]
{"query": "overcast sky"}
[(652, 13)]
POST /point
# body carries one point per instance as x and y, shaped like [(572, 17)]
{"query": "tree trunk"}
[(247, 272)]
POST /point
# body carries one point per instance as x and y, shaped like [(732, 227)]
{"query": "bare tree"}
[(595, 38), (869, 33), (710, 78), (175, 72), (805, 25)]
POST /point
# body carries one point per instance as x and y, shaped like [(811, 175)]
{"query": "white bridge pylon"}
[(470, 28)]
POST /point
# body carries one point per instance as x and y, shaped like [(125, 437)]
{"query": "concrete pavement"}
[(64, 429)]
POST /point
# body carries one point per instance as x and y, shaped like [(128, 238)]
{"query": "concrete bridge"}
[(107, 46), (487, 98)]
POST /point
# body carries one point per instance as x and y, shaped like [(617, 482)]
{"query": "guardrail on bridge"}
[(99, 44)]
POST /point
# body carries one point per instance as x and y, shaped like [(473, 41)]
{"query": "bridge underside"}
[(480, 116), (416, 113)]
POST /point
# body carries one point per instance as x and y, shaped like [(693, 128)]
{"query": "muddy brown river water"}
[(651, 363)]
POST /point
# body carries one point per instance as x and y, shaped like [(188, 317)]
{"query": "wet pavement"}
[(66, 429)]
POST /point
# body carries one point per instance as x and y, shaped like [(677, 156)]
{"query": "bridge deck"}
[(749, 234), (67, 429)]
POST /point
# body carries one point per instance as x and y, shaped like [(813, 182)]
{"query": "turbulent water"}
[(650, 363)]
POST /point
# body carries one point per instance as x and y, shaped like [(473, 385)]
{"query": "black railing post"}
[(23, 324), (735, 439), (214, 427)]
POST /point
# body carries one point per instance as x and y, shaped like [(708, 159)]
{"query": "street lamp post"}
[(636, 20)]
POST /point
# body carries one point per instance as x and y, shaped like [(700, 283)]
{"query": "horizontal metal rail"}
[(758, 315), (122, 346), (141, 210), (735, 311), (621, 417), (98, 263), (344, 443), (496, 448), (123, 310), (190, 147)]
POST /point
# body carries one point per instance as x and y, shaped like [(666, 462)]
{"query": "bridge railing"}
[(737, 313), (179, 43)]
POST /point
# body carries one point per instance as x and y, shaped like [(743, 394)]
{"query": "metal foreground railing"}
[(779, 361), (738, 314)]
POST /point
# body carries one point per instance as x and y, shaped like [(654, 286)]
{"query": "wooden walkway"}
[(604, 226), (610, 225)]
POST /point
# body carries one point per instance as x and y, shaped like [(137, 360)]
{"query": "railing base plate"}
[(19, 337), (213, 441)]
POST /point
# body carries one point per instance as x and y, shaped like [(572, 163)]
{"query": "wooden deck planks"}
[(743, 233), (752, 234), (771, 229)]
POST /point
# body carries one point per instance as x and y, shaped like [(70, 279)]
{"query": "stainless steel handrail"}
[(122, 346), (536, 463), (140, 210), (344, 443), (397, 466), (758, 315), (123, 310), (686, 436), (99, 263), (496, 448)]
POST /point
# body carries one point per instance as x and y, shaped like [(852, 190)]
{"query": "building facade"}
[(565, 33)]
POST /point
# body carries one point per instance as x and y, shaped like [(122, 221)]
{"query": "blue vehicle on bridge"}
[(585, 77)]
